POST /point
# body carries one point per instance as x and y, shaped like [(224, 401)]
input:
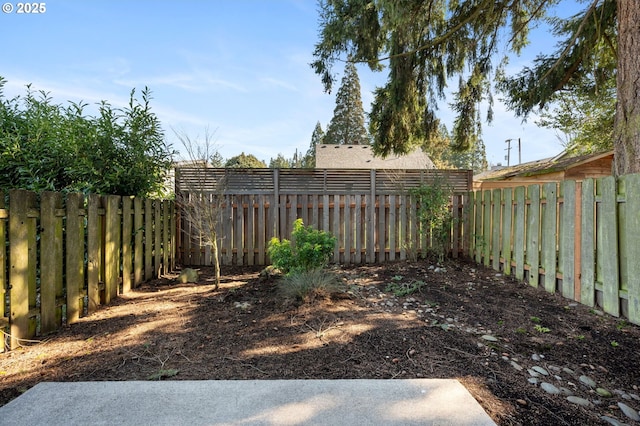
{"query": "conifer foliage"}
[(317, 138), (425, 44), (347, 125)]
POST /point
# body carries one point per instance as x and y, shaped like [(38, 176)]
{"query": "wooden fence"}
[(370, 212), (581, 239), (61, 257)]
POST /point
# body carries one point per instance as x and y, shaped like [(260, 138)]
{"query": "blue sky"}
[(239, 68)]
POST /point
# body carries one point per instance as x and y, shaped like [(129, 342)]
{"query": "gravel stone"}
[(540, 370), (587, 381), (549, 388), (579, 401), (629, 412)]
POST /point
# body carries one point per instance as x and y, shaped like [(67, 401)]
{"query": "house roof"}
[(558, 163), (329, 156)]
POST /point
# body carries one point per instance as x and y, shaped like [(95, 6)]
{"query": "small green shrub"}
[(434, 214), (311, 249), (309, 284)]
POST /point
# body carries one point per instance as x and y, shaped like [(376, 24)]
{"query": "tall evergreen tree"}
[(347, 125), (317, 138)]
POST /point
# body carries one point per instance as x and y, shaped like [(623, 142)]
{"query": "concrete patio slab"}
[(247, 402)]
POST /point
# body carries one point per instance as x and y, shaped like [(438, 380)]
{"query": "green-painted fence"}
[(580, 239), (63, 256)]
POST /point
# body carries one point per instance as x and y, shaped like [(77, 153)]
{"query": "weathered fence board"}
[(631, 249), (519, 232), (587, 252), (477, 238), (549, 228), (3, 271), (148, 239), (22, 242), (566, 259), (496, 205), (578, 238), (533, 234), (127, 243), (609, 236), (507, 226), (51, 288), (94, 233), (111, 248), (138, 247), (55, 278), (486, 226), (75, 273)]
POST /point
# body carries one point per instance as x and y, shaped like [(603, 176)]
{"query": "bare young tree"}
[(200, 193)]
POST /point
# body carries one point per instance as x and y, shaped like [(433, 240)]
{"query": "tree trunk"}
[(627, 123), (216, 260)]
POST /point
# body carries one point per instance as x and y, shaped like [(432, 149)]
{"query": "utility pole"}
[(508, 149), (519, 152)]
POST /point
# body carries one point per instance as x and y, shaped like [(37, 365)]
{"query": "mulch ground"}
[(462, 321)]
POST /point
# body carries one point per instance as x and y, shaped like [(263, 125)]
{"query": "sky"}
[(237, 70)]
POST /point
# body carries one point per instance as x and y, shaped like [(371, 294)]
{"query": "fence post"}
[(22, 268)]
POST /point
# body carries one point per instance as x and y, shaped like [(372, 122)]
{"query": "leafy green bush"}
[(307, 285), (47, 146), (311, 249)]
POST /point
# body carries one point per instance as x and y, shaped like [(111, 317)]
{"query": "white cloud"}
[(196, 82), (273, 82)]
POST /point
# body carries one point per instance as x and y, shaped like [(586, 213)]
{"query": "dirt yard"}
[(528, 357)]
